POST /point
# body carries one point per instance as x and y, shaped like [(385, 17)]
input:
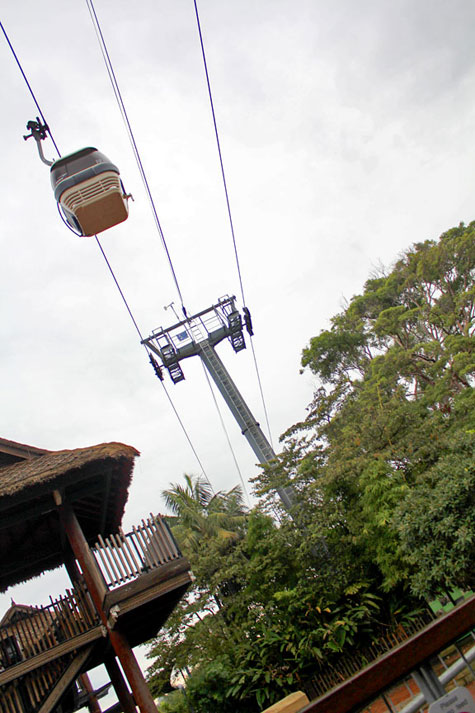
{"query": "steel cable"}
[(123, 111), (104, 255), (29, 87), (228, 204)]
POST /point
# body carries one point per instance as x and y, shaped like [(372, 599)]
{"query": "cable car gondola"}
[(88, 190), (86, 185)]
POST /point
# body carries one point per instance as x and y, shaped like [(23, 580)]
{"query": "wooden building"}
[(64, 508), (23, 631)]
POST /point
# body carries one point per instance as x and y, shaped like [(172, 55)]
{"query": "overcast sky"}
[(347, 135)]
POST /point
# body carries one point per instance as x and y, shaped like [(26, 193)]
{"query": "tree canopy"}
[(393, 411)]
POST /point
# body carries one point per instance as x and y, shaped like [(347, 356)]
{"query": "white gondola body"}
[(92, 198)]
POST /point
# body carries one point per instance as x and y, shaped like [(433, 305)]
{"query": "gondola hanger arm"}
[(38, 132)]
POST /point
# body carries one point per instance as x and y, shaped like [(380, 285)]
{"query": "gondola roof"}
[(74, 155)]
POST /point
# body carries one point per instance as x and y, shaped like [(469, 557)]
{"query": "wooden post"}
[(92, 574), (120, 686), (98, 589), (132, 670), (92, 702)]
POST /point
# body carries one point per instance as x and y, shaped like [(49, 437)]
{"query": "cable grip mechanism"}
[(39, 133)]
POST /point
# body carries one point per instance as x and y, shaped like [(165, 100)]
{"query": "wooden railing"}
[(41, 628), (124, 557), (33, 688)]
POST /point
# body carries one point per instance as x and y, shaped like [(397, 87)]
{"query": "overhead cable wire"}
[(120, 289), (227, 436), (123, 111), (228, 204), (221, 163), (29, 87), (106, 259), (261, 391), (190, 443), (187, 436), (121, 105), (59, 154)]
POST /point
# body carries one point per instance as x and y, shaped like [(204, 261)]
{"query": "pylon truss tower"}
[(198, 336)]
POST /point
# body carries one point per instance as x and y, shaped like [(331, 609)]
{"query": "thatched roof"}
[(54, 467), (12, 452), (95, 480)]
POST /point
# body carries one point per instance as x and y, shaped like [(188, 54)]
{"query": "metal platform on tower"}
[(185, 338), (197, 336)]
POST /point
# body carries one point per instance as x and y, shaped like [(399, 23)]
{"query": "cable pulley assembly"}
[(38, 132), (248, 321), (156, 367)]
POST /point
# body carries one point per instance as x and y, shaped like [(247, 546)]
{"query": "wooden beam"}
[(160, 590), (71, 566), (90, 569), (65, 681), (290, 704), (120, 686), (21, 449), (132, 670), (396, 664), (92, 702)]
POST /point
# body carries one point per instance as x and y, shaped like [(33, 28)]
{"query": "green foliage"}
[(208, 687), (436, 524), (396, 373), (202, 514), (383, 468), (174, 702), (263, 611)]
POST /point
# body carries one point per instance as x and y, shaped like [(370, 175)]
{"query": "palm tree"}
[(201, 514)]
